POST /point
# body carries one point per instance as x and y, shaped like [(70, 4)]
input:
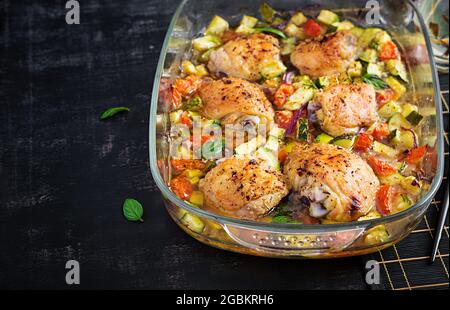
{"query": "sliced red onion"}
[(288, 77), (312, 109), (294, 120)]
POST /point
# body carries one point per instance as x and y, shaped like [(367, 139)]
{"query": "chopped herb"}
[(272, 31), (113, 111), (375, 81)]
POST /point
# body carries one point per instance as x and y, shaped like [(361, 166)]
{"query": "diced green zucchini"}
[(397, 121), (269, 156), (272, 143), (250, 146), (188, 67), (277, 132), (397, 67), (299, 98), (357, 31), (407, 108), (414, 118), (323, 138), (294, 31), (369, 55), (404, 139), (382, 37), (272, 69), (411, 185), (204, 57), (193, 222), (345, 141), (246, 25), (304, 81), (384, 150), (205, 43), (266, 11), (402, 203), (302, 130), (288, 46), (355, 69), (389, 109), (396, 86), (217, 26), (299, 19), (323, 82), (344, 25), (368, 35), (393, 179), (327, 17), (375, 69), (193, 104)]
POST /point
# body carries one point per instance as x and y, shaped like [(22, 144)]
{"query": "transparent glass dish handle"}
[(293, 243)]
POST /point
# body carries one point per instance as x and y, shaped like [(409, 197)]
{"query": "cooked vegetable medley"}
[(340, 139)]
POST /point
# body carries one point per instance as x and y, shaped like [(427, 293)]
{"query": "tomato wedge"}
[(388, 51), (312, 28), (381, 131), (384, 196), (364, 142), (283, 93), (380, 167), (182, 187), (415, 155)]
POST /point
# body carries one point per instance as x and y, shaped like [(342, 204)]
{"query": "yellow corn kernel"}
[(196, 198), (194, 180)]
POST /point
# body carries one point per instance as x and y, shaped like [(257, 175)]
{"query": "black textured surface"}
[(64, 174)]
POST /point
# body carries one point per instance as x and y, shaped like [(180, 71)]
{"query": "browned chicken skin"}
[(345, 108), (330, 56), (243, 57), (332, 182), (245, 188), (230, 99)]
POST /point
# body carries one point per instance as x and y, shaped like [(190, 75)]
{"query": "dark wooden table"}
[(64, 174)]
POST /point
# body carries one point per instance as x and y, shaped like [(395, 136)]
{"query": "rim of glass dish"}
[(168, 194)]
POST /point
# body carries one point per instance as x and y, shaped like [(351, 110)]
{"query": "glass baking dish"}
[(404, 23)]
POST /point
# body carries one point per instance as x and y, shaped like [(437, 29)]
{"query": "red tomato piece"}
[(312, 28), (282, 94), (384, 195), (182, 187), (380, 167), (415, 155), (283, 118), (363, 143), (388, 51), (381, 131)]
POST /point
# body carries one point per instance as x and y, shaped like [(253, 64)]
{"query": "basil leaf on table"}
[(132, 210), (113, 111)]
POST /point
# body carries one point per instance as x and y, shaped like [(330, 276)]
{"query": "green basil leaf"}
[(375, 81), (132, 210), (272, 31), (113, 111)]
